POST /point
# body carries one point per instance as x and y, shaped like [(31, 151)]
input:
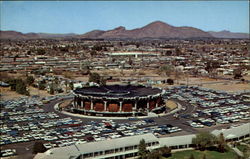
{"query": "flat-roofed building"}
[(127, 147), (115, 148)]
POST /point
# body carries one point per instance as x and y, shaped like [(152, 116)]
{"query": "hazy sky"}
[(81, 17)]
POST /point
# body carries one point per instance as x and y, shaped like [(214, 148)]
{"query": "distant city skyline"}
[(83, 16)]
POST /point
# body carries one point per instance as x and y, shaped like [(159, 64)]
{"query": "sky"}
[(83, 16)]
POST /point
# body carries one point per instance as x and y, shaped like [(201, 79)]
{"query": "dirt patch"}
[(65, 103), (35, 91), (7, 94), (171, 104), (230, 87)]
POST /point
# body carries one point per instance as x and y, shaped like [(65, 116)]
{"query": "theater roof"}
[(118, 91)]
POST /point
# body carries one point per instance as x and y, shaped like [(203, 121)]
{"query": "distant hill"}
[(229, 35), (12, 35), (19, 35), (155, 29), (92, 34)]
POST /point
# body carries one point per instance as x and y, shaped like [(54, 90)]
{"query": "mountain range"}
[(154, 30)]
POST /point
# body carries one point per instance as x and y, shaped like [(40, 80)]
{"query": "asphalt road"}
[(169, 119)]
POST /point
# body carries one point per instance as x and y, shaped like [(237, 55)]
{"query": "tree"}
[(211, 66), (85, 68), (51, 88), (170, 81), (42, 85), (177, 52), (204, 140), (97, 48), (165, 151), (167, 69), (21, 87), (221, 143), (71, 85), (103, 81), (56, 80), (38, 147), (142, 149), (154, 155), (12, 83), (237, 73), (30, 80), (95, 77), (92, 53), (41, 51)]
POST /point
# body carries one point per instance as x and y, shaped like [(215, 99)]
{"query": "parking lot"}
[(26, 120), (212, 107)]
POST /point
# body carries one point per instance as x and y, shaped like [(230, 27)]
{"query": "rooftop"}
[(118, 91)]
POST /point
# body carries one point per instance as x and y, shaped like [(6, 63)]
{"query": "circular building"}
[(117, 100)]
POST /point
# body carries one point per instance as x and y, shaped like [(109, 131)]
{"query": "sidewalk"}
[(236, 150)]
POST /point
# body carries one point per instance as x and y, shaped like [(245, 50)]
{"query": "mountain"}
[(156, 29), (12, 35), (48, 35), (228, 34), (19, 35), (92, 34)]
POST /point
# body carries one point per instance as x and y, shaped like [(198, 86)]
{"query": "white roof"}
[(237, 131), (230, 136), (116, 143), (176, 140), (75, 150), (59, 153)]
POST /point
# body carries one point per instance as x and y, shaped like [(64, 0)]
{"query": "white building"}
[(127, 147)]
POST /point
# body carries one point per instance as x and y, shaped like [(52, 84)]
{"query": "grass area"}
[(245, 149), (242, 147), (199, 155)]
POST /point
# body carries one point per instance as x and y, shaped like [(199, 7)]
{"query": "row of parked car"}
[(110, 130), (8, 152), (213, 107), (26, 121)]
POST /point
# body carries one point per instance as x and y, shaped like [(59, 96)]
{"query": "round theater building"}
[(118, 100)]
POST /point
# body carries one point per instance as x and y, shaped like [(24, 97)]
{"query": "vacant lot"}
[(7, 94), (229, 87)]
